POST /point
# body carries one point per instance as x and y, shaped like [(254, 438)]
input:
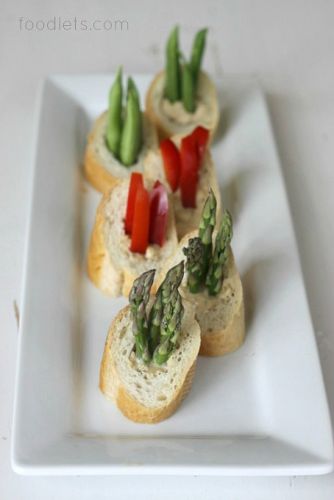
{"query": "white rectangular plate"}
[(259, 411)]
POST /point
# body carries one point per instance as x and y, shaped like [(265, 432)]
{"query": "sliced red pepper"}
[(189, 171), (201, 137), (141, 221), (172, 162), (158, 214), (135, 182)]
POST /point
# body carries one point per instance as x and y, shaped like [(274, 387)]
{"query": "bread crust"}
[(96, 174), (165, 131), (112, 387), (100, 269)]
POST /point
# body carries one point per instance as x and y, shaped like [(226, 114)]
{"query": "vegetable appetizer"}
[(134, 231), (212, 283), (122, 138), (151, 349), (190, 173), (183, 96)]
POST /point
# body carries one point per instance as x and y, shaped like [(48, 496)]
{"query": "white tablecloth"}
[(289, 46)]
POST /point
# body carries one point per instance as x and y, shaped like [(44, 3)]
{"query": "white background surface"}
[(289, 45)]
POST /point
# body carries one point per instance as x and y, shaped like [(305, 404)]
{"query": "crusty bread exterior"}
[(110, 264), (101, 168), (142, 393), (166, 126), (221, 318)]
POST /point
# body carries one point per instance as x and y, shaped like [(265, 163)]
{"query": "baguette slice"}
[(101, 167), (148, 393), (171, 118), (188, 219), (221, 318), (111, 265)]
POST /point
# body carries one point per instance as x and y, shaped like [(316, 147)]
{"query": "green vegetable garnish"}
[(157, 337), (131, 133), (215, 276), (182, 77), (197, 53), (205, 267), (114, 126), (188, 88), (138, 299), (124, 133), (173, 80)]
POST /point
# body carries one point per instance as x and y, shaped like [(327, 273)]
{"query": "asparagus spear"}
[(155, 321), (114, 126), (138, 299), (206, 227), (171, 282), (188, 88), (197, 53), (131, 130), (195, 265), (215, 276), (170, 328), (172, 88)]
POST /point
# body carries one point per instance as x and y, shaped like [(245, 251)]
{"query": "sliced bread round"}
[(148, 393), (221, 318), (111, 265), (171, 118), (188, 219)]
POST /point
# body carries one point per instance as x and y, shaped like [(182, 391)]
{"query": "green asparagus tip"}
[(141, 287), (215, 275), (196, 264), (208, 218), (138, 299)]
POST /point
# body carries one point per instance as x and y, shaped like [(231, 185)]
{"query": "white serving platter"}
[(259, 411)]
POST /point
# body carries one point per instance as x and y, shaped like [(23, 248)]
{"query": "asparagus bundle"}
[(124, 128), (156, 334), (205, 265), (182, 79)]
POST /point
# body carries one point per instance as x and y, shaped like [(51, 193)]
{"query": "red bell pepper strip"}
[(172, 163), (135, 182), (189, 171), (201, 137), (158, 214), (141, 221)]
